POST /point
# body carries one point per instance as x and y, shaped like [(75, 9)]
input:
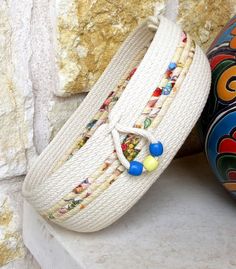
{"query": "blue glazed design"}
[(219, 116), (223, 126)]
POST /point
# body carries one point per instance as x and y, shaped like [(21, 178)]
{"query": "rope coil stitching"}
[(157, 106)]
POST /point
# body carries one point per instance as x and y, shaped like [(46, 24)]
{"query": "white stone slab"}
[(16, 97), (186, 220)]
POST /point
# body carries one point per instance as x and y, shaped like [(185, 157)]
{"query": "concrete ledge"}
[(186, 220)]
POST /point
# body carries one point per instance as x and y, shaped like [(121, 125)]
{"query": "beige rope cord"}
[(157, 82)]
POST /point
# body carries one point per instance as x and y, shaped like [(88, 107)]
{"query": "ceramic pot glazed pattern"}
[(219, 116)]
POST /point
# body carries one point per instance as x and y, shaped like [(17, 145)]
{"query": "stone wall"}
[(89, 33), (204, 19), (11, 245), (32, 110), (16, 97)]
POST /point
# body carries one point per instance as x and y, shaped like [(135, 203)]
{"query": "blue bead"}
[(166, 91), (156, 149), (136, 168), (172, 66)]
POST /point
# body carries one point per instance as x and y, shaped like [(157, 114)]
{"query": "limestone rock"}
[(16, 98), (56, 59), (13, 254), (51, 112), (50, 115), (88, 34), (62, 109), (204, 19), (27, 262), (11, 244)]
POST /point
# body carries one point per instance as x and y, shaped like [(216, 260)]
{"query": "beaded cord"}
[(136, 168), (150, 163)]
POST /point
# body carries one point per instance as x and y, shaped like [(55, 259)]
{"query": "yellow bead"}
[(150, 163)]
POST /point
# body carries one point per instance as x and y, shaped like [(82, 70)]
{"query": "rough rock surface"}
[(204, 19), (89, 33), (16, 98), (11, 245), (61, 110), (27, 262), (50, 111)]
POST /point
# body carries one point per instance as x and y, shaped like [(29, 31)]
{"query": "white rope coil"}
[(46, 184)]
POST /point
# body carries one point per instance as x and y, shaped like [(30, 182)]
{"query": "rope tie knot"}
[(153, 21), (136, 168)]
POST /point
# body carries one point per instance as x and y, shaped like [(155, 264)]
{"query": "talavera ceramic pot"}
[(219, 116)]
